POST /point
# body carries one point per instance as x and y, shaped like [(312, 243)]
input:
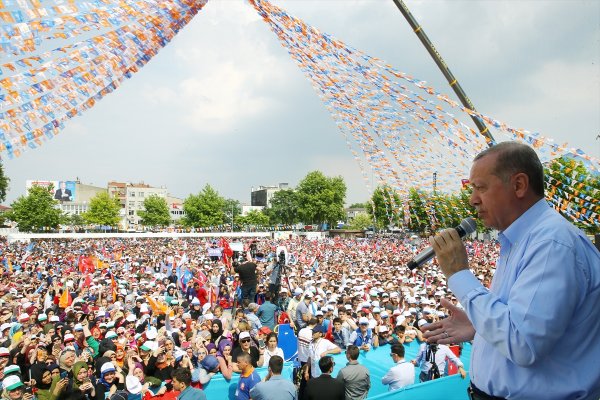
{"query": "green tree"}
[(574, 191), (361, 222), (284, 208), (321, 199), (204, 209), (155, 212), (36, 211), (253, 218), (104, 210), (75, 220), (419, 212), (4, 180), (384, 208)]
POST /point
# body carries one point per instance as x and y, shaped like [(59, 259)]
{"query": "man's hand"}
[(450, 252), (454, 329)]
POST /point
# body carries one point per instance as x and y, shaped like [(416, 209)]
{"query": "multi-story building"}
[(263, 194)]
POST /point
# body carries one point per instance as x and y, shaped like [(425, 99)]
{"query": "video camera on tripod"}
[(434, 371), (278, 271)]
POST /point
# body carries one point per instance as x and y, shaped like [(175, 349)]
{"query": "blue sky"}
[(224, 103)]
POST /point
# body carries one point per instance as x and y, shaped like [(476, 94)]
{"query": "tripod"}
[(434, 371), (281, 271)]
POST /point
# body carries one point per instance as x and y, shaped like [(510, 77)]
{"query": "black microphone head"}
[(466, 227)]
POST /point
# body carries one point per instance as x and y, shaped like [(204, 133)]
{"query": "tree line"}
[(317, 200)]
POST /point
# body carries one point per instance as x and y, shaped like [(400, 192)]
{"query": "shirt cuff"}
[(465, 285)]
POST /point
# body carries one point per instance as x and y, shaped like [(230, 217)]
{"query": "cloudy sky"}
[(224, 103)]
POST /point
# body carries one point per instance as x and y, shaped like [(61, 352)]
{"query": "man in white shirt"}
[(402, 374), (319, 347)]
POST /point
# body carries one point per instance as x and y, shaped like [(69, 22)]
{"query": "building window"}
[(141, 194), (132, 194), (131, 212)]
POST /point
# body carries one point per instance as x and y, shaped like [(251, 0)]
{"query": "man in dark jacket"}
[(325, 387), (248, 279)]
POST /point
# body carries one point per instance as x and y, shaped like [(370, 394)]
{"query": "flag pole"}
[(462, 96)]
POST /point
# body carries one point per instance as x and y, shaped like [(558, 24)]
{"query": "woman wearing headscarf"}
[(216, 332), (43, 381), (224, 358), (110, 381), (81, 380)]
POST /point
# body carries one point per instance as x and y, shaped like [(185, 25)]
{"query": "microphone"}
[(466, 227)]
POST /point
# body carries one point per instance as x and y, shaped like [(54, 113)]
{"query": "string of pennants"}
[(398, 128), (57, 59)]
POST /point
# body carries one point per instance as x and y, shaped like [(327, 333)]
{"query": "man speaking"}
[(536, 331)]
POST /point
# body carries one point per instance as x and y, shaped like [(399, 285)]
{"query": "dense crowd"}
[(137, 318)]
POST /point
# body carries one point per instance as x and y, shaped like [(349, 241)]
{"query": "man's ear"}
[(520, 184)]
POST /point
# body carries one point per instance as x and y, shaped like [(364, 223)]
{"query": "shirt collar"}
[(517, 230)]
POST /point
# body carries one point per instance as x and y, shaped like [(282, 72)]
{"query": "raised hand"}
[(454, 329)]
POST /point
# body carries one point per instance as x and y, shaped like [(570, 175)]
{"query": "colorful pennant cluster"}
[(58, 58), (398, 128)]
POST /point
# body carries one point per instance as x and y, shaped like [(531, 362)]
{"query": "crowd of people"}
[(137, 318)]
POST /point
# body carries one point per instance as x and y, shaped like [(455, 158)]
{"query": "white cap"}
[(422, 322), (69, 336), (383, 328), (151, 334), (297, 291), (130, 318), (110, 334), (133, 384), (363, 320), (244, 335), (78, 327)]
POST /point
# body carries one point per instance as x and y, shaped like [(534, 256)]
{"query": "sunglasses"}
[(244, 340)]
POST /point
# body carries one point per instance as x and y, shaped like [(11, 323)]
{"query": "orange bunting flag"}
[(65, 299)]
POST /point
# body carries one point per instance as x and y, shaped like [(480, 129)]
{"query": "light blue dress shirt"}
[(538, 327)]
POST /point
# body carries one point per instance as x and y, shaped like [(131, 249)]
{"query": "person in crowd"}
[(248, 278), (182, 379), (225, 359), (266, 312), (256, 355), (319, 348), (324, 387), (340, 334), (248, 377), (402, 373), (544, 292), (271, 348), (274, 387), (363, 336), (356, 377)]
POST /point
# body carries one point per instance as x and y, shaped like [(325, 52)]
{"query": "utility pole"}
[(462, 96)]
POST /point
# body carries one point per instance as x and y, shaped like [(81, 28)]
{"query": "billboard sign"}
[(61, 190)]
